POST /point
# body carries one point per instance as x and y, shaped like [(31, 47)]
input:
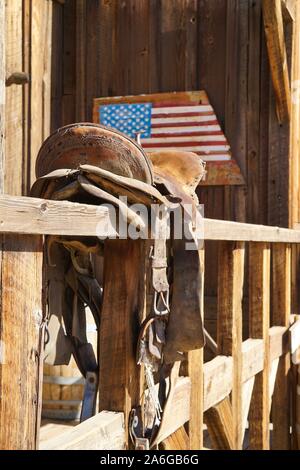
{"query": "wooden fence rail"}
[(238, 386)]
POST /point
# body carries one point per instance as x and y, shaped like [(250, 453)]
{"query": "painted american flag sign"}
[(173, 121), (193, 128)]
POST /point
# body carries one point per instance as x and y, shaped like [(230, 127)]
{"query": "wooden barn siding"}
[(124, 47), (28, 111), (117, 47), (89, 48)]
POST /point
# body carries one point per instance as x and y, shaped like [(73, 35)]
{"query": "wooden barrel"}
[(63, 386), (62, 392)]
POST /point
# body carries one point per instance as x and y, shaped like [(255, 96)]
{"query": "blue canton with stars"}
[(128, 118)]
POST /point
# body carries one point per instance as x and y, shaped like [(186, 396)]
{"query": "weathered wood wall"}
[(28, 49), (76, 50), (80, 49), (115, 47)]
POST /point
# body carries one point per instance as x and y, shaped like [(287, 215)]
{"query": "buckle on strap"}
[(141, 443), (164, 298), (136, 430)]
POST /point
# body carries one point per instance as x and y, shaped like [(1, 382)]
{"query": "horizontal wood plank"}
[(26, 215), (253, 358), (295, 336), (236, 231), (279, 341), (104, 431), (38, 216), (217, 380)]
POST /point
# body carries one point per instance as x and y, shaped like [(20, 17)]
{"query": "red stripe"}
[(189, 134), (182, 144), (187, 114), (171, 104), (186, 124)]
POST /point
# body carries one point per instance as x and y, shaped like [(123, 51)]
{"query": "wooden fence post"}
[(20, 322), (230, 295), (195, 372), (259, 321), (281, 309), (120, 376)]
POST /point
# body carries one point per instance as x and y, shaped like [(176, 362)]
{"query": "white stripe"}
[(215, 158), (195, 148), (182, 109), (175, 130), (178, 120), (198, 138)]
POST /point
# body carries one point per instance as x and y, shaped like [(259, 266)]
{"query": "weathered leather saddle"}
[(92, 164)]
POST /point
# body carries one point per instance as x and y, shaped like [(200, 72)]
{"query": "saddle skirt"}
[(92, 164)]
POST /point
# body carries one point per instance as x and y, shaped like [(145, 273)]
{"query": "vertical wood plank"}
[(236, 97), (264, 105), (13, 177), (259, 321), (26, 90), (296, 430), (237, 41), (212, 43), (247, 389), (20, 320), (154, 46), (273, 21), (139, 71), (57, 66), (120, 48), (119, 375), (230, 294), (99, 40), (253, 114), (2, 94), (279, 165), (40, 80), (69, 63), (281, 309), (80, 60), (46, 75), (295, 397), (278, 168), (191, 18), (173, 44), (294, 193), (195, 372)]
